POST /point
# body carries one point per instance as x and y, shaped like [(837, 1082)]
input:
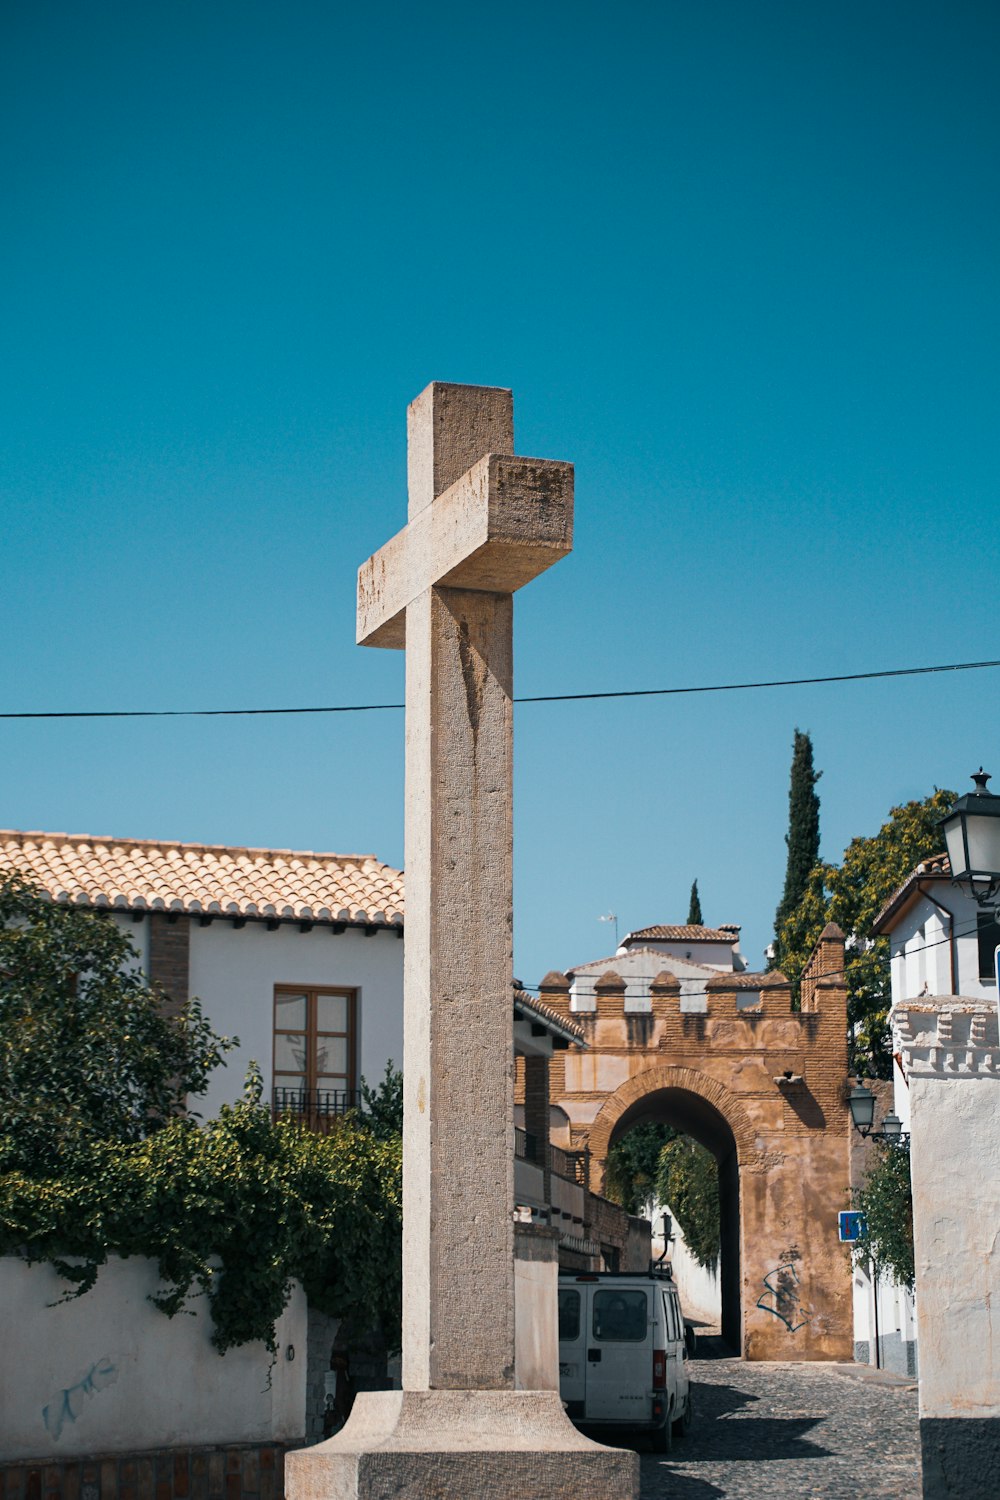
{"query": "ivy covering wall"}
[(98, 1156), (236, 1210)]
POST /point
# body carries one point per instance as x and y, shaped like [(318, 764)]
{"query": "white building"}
[(295, 953), (697, 954), (711, 947), (940, 943)]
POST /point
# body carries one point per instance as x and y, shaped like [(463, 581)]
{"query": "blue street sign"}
[(852, 1226)]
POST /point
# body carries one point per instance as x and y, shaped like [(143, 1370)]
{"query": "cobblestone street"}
[(792, 1432)]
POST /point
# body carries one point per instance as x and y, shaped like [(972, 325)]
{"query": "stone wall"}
[(109, 1373), (244, 1472)]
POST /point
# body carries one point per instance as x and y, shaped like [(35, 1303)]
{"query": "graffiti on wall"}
[(66, 1407), (781, 1297)]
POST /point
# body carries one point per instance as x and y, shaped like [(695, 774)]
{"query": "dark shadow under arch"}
[(695, 1116)]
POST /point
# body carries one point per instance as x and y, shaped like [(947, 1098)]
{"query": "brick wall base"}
[(245, 1472)]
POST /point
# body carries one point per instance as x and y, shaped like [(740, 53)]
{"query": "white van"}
[(622, 1354)]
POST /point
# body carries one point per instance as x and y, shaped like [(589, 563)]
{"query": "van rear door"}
[(674, 1327), (573, 1315), (619, 1354)]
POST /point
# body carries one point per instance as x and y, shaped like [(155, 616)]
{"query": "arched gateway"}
[(763, 1087)]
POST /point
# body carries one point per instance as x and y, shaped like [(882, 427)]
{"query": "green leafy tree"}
[(86, 1051), (886, 1200), (695, 918), (235, 1210), (98, 1156), (631, 1172), (382, 1107), (688, 1180), (802, 838), (871, 870), (802, 927), (852, 894)]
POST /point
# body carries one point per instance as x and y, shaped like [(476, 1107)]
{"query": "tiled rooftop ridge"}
[(206, 879), (685, 933)]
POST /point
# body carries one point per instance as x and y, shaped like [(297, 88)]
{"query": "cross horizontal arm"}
[(505, 521)]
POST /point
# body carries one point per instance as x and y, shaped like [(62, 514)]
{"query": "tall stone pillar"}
[(950, 1054), (482, 524)]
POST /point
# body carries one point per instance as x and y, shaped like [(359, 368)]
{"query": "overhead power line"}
[(362, 708)]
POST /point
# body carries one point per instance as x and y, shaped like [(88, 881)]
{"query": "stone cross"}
[(481, 524)]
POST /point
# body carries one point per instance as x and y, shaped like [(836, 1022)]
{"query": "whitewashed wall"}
[(536, 1325), (950, 1052), (921, 951), (722, 956), (233, 971), (698, 1285), (896, 1324), (108, 1373)]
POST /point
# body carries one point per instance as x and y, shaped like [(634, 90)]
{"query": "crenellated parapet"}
[(947, 1036), (824, 971)]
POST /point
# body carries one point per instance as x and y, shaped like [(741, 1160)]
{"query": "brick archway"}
[(762, 1082), (706, 1109), (656, 1080)]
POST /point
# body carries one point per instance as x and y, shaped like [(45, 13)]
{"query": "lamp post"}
[(862, 1102), (972, 836)]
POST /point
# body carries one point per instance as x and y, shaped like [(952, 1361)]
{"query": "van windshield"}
[(620, 1316)]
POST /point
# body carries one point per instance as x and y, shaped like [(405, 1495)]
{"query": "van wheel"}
[(682, 1426), (663, 1437)]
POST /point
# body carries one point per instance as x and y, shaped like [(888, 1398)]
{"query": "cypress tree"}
[(803, 832), (695, 918)]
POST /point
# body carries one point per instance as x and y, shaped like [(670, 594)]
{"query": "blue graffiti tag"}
[(781, 1297), (66, 1406)]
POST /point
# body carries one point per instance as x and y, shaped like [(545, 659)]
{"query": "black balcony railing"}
[(525, 1144), (318, 1109), (574, 1166)]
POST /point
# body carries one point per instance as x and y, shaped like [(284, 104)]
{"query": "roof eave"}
[(902, 900)]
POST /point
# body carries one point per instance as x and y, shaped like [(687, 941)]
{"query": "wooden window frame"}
[(312, 1033)]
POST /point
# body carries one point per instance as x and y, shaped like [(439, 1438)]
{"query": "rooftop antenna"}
[(612, 916)]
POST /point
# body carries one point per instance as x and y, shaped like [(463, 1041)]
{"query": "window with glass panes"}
[(989, 940), (313, 1041)]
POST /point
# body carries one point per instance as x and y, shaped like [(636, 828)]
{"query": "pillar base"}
[(961, 1457), (460, 1445)]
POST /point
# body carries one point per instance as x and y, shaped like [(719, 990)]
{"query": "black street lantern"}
[(972, 836), (862, 1102)]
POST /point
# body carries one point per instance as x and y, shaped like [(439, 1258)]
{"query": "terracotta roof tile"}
[(936, 866), (688, 933), (746, 981), (155, 875), (531, 1007)]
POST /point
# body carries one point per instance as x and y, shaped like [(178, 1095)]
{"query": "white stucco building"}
[(941, 943), (697, 954), (297, 954)]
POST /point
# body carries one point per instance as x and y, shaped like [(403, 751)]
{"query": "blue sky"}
[(738, 263)]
